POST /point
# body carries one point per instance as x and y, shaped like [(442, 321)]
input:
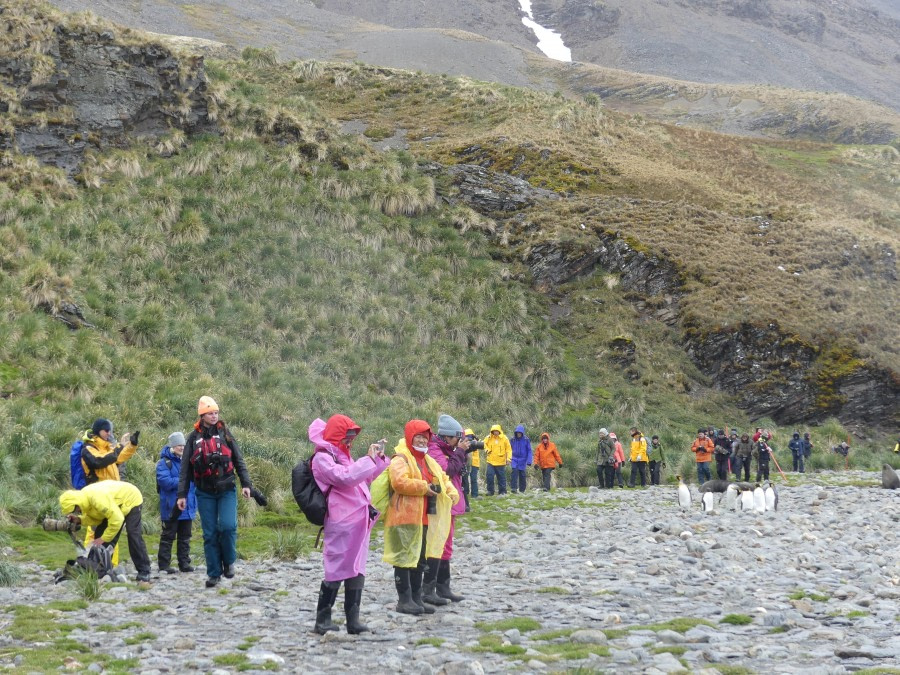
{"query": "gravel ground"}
[(621, 576)]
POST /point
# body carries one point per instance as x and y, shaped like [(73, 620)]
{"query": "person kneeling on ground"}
[(107, 507), (417, 521), (546, 458), (175, 523), (349, 519)]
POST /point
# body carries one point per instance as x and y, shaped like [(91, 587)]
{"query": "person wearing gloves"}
[(349, 519), (522, 457), (213, 460), (107, 507), (498, 453), (101, 457), (546, 458), (417, 521), (175, 524), (638, 458)]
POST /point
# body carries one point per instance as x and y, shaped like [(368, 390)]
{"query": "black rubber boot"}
[(353, 589), (415, 583), (405, 604), (327, 595), (443, 583), (429, 594)]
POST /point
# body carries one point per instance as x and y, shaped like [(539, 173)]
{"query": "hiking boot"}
[(168, 570), (443, 583), (428, 584), (353, 589), (145, 577), (405, 604), (212, 581), (327, 594), (186, 568), (415, 584), (228, 571)]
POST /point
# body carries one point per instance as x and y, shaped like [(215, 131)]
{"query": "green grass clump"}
[(433, 641), (146, 609), (557, 590), (523, 623), (677, 650), (140, 637), (679, 625), (737, 619), (10, 573), (290, 545), (570, 651), (494, 644), (554, 634), (778, 629)]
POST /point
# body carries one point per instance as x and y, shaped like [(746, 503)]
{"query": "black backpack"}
[(309, 497), (97, 560)]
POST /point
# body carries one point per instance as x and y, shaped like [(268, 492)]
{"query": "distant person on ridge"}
[(703, 451), (546, 458), (175, 524), (213, 459), (498, 453), (657, 459), (522, 457)]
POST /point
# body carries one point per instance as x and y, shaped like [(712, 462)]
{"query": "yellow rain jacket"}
[(99, 459), (475, 455), (639, 449), (497, 451), (109, 500), (403, 520)]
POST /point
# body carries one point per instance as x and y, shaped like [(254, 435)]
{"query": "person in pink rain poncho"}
[(350, 517)]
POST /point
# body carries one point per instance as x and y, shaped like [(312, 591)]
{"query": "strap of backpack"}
[(311, 473)]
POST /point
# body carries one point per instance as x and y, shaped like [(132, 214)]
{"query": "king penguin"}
[(759, 499), (771, 497), (707, 502), (746, 500), (684, 495), (731, 494)]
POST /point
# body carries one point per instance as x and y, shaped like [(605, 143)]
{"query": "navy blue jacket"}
[(522, 454), (167, 470)]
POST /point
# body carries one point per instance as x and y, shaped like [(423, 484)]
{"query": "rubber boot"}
[(443, 583), (429, 594), (415, 583), (353, 589), (405, 604), (327, 595)]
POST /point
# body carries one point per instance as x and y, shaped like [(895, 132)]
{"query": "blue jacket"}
[(167, 469), (796, 445), (521, 449)]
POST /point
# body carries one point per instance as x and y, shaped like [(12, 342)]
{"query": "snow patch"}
[(549, 41)]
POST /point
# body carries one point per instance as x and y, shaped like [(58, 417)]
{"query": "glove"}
[(135, 435), (259, 497)]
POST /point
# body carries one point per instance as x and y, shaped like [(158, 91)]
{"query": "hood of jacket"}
[(69, 499), (336, 429), (545, 435), (168, 454), (414, 427), (521, 430), (497, 427)]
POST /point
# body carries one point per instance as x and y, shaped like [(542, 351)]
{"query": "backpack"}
[(98, 560), (76, 469), (307, 493), (212, 465)]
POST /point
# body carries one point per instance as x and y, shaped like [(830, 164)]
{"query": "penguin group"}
[(737, 496)]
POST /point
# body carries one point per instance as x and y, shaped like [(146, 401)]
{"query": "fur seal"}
[(889, 478), (714, 485)]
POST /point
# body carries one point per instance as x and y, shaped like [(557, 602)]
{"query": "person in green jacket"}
[(657, 459)]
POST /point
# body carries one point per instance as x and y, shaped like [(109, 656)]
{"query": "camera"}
[(432, 500), (61, 525), (475, 445)]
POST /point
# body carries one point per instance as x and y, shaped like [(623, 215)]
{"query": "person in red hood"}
[(417, 520), (350, 518), (546, 458)]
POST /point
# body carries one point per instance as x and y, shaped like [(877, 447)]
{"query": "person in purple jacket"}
[(350, 517), (448, 448), (522, 456)]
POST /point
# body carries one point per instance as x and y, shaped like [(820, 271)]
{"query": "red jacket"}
[(703, 449)]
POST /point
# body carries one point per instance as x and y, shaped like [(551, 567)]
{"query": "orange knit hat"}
[(207, 404)]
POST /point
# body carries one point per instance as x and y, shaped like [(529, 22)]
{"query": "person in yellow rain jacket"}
[(108, 507), (498, 453), (417, 520), (638, 458), (100, 459)]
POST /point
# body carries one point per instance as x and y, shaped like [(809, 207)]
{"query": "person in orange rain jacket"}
[(703, 449), (546, 458)]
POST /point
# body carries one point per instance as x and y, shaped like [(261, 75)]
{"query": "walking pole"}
[(772, 455)]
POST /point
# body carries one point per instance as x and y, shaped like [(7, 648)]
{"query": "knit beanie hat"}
[(207, 404), (604, 432), (176, 438), (447, 426), (101, 425)]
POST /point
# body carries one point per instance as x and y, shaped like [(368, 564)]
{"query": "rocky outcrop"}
[(92, 87), (490, 192)]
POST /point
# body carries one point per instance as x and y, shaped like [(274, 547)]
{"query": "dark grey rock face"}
[(102, 93)]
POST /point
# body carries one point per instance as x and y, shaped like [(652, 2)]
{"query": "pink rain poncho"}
[(348, 524)]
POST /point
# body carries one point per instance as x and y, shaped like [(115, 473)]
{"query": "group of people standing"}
[(644, 458), (500, 451), (734, 454)]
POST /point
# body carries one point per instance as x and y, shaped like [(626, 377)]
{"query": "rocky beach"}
[(616, 581)]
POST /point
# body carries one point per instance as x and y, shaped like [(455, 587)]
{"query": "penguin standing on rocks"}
[(707, 502), (731, 495), (759, 499), (746, 500), (771, 497), (684, 496)]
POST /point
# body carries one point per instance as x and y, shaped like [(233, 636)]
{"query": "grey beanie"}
[(447, 426), (176, 438), (604, 432)]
